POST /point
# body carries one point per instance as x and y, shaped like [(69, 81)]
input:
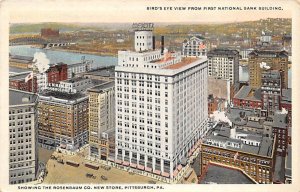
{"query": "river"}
[(56, 56)]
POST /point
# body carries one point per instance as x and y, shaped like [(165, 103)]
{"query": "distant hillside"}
[(278, 25), (36, 27)]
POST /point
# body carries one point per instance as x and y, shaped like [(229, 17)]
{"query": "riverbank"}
[(84, 52), (64, 49)]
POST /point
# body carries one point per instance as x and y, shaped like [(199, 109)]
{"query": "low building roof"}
[(249, 94), (280, 120), (18, 70), (279, 169), (184, 62), (18, 97), (19, 76), (62, 95), (222, 133), (21, 58), (273, 53), (223, 51), (222, 175), (105, 72), (286, 95), (103, 86)]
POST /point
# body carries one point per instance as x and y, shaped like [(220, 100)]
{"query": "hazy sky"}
[(136, 11)]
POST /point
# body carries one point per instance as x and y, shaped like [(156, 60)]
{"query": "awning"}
[(111, 159), (188, 174), (175, 173), (157, 172), (165, 174), (126, 163), (118, 161), (179, 167), (141, 167), (148, 169), (133, 165)]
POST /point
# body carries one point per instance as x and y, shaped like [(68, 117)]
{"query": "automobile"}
[(60, 161), (53, 157), (103, 177), (151, 182), (89, 175)]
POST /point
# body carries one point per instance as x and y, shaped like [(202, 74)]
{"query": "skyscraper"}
[(101, 115), (224, 64), (23, 125), (260, 60), (161, 105)]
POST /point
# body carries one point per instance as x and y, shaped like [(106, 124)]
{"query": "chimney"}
[(232, 132), (153, 42), (162, 44)]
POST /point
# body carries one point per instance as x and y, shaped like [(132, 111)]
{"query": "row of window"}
[(141, 76)]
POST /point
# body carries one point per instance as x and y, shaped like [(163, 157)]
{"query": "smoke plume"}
[(220, 117), (264, 65), (41, 61)]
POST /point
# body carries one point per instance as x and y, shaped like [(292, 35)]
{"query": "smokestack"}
[(162, 44), (232, 132), (153, 42)]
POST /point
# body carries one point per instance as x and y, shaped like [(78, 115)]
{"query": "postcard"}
[(135, 95)]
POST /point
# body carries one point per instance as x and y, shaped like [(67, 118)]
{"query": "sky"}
[(114, 11)]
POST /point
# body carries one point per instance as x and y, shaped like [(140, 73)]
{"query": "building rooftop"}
[(288, 163), (235, 112), (280, 120), (21, 58), (286, 95), (222, 133), (99, 88), (184, 62), (254, 124), (222, 175), (249, 94), (17, 97), (279, 169), (106, 72), (75, 79), (268, 53), (62, 95), (19, 76), (223, 51), (18, 70)]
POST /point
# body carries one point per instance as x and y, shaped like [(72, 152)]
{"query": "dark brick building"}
[(57, 73), (18, 82), (48, 32)]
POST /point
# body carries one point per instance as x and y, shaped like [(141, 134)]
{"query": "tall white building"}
[(224, 64), (77, 68), (161, 106), (23, 125), (42, 81)]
